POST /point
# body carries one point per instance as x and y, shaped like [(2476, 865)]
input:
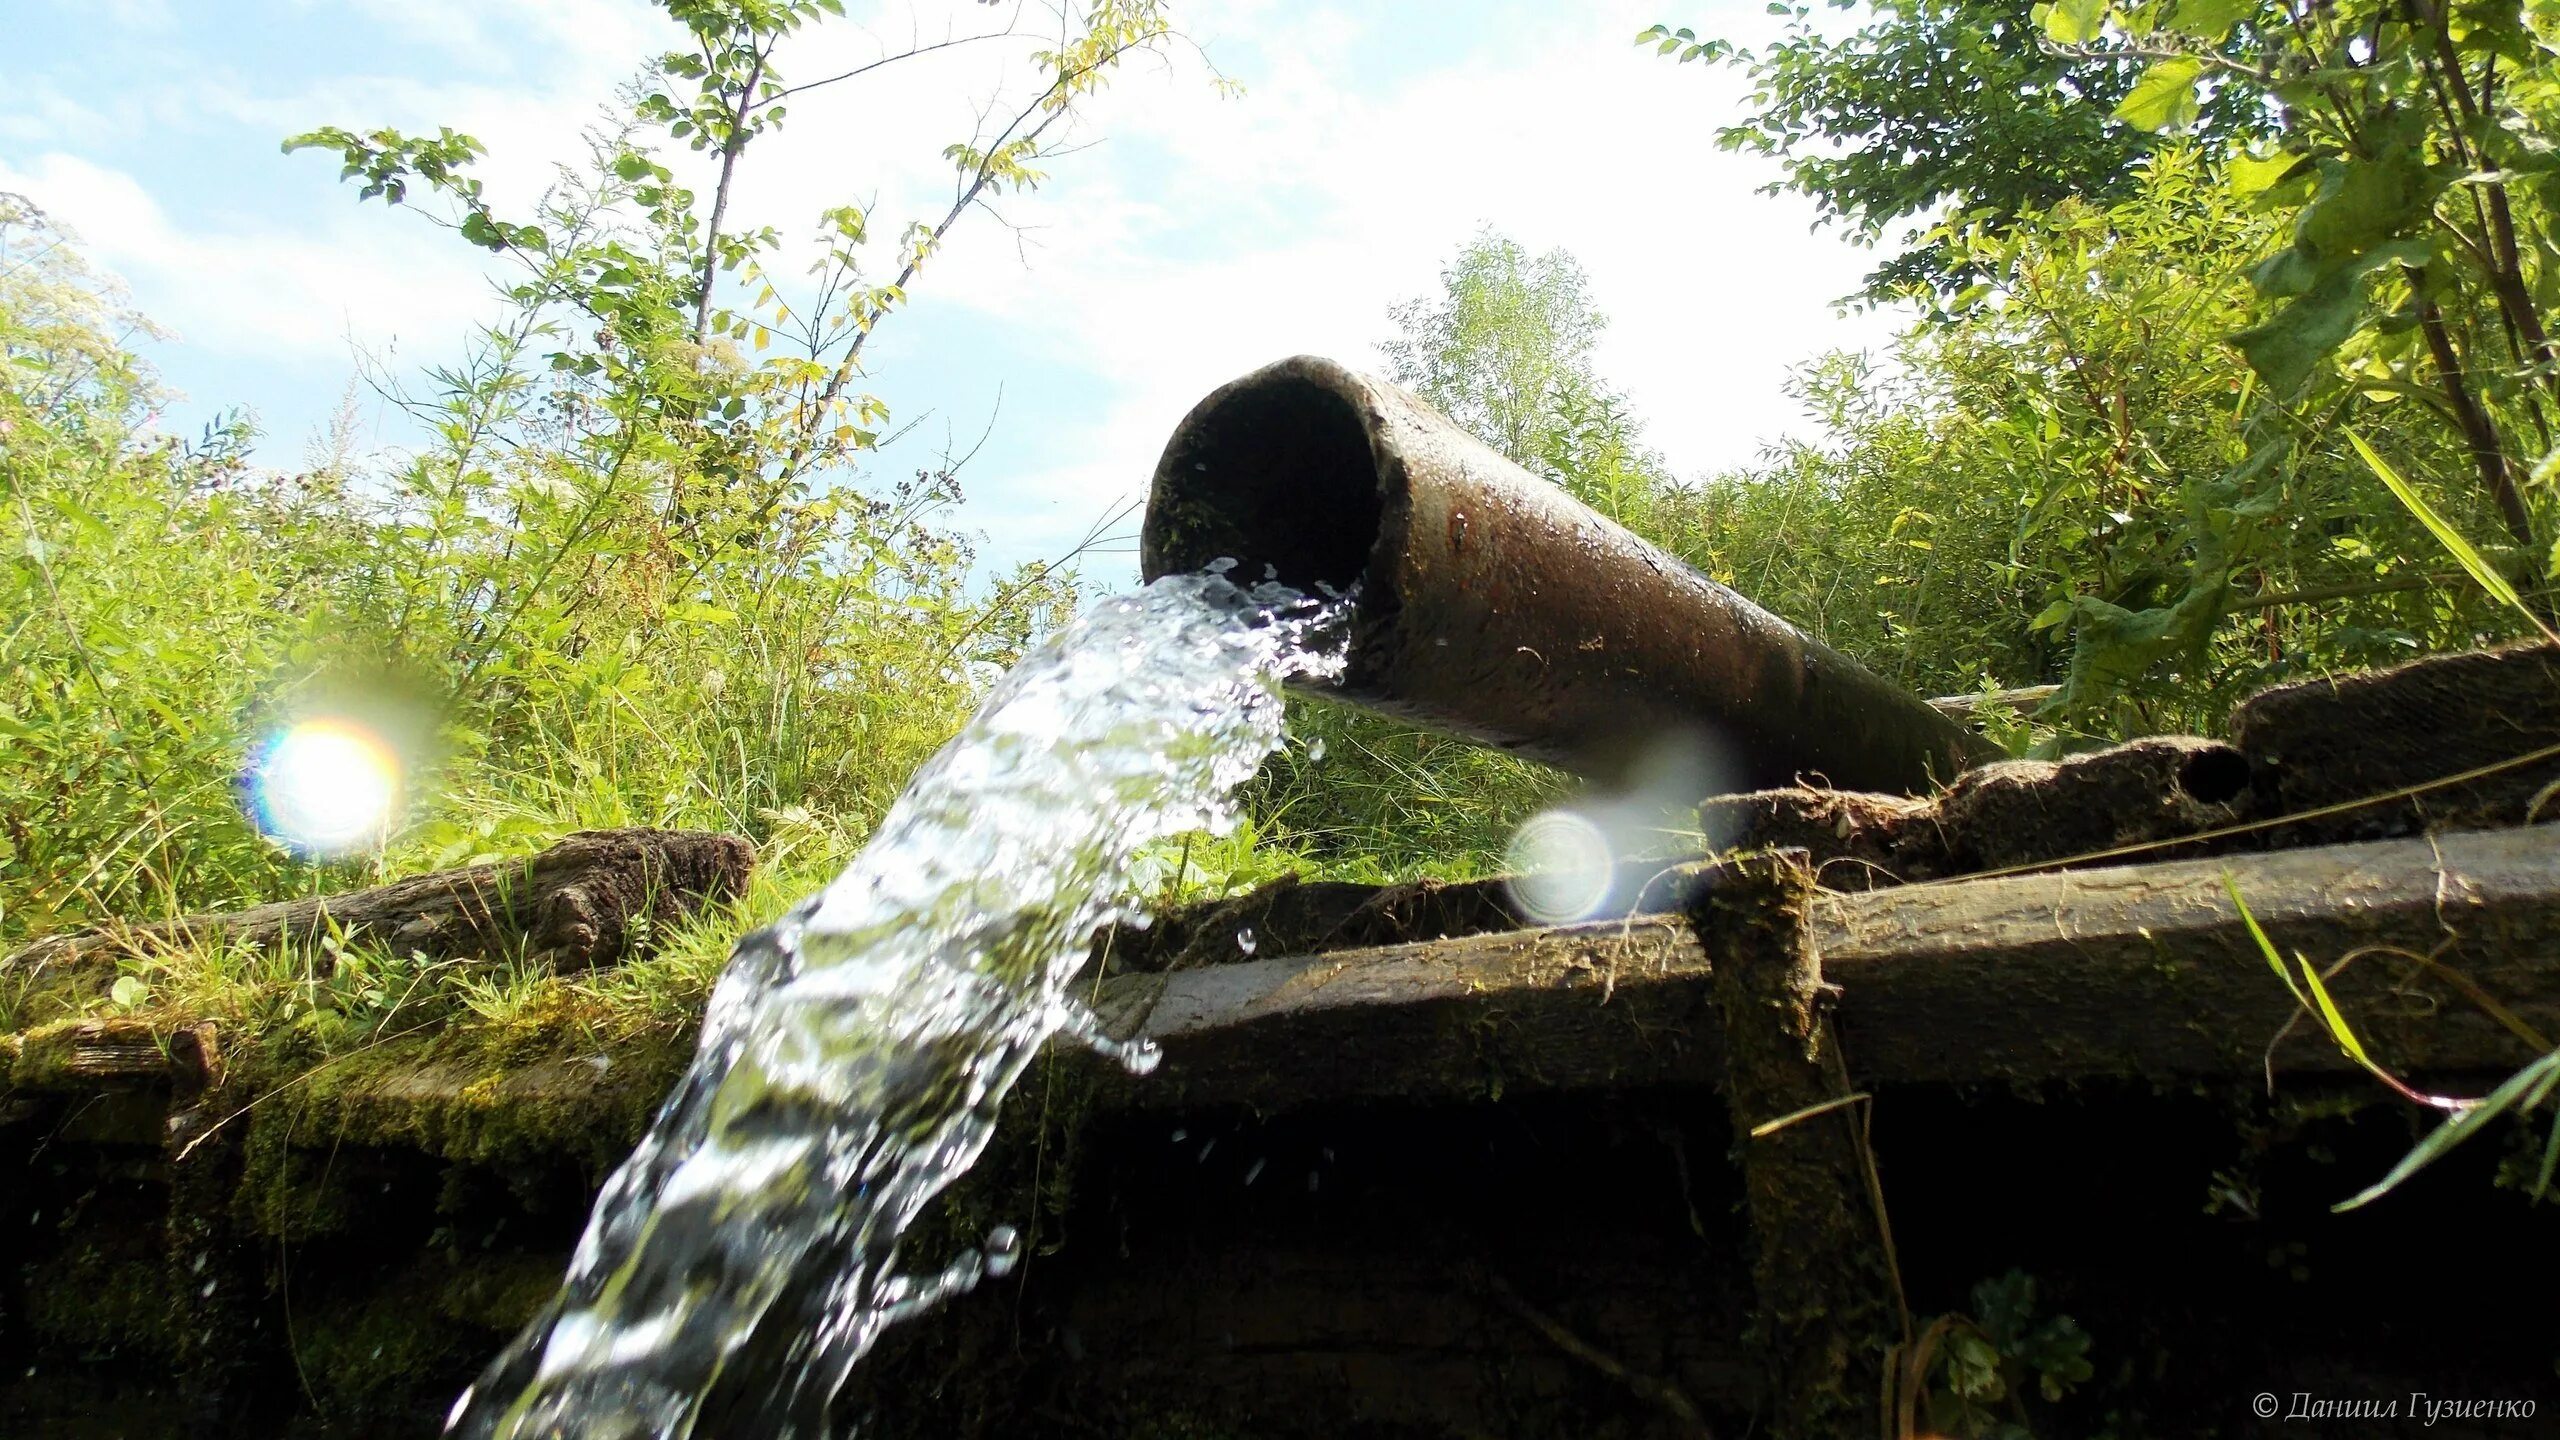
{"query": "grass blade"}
[(2266, 946), (2339, 1030), (2528, 1086), (2550, 1160), (2473, 562)]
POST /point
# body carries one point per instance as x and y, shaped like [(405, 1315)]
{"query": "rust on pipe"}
[(1494, 605)]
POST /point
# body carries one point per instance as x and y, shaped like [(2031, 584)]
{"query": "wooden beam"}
[(2136, 972), (2141, 972)]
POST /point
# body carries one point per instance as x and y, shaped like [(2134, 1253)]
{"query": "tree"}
[(1931, 109), (2048, 477), (1504, 346)]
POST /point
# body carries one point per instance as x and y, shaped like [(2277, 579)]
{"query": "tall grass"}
[(565, 648)]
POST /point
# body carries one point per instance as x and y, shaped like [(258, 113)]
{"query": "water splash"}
[(854, 1054)]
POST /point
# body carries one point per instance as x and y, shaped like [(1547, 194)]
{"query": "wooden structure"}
[(1911, 1115)]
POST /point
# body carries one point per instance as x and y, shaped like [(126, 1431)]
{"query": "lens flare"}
[(324, 785), (1562, 866)]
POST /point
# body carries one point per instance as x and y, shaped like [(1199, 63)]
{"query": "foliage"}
[(2413, 176), (134, 607), (2392, 159), (2040, 479), (1504, 349), (1503, 346), (632, 561), (1978, 1373), (1366, 798), (2520, 1094), (1932, 109)]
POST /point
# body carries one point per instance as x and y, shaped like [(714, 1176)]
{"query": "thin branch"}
[(861, 70)]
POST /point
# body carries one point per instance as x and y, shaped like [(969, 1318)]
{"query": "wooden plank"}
[(2150, 971), (1588, 1007), (2139, 971)]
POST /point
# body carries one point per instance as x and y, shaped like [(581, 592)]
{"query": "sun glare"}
[(1560, 864), (324, 785)]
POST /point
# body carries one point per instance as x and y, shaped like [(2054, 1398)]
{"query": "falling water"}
[(854, 1054)]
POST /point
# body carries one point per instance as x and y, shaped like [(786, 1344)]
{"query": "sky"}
[(1190, 237)]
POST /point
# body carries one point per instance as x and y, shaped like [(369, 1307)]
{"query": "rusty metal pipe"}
[(1494, 605)]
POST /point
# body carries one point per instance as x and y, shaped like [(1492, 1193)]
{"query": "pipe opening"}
[(1276, 472)]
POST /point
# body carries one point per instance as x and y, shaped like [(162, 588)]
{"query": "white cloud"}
[(1198, 238), (1207, 236), (261, 291)]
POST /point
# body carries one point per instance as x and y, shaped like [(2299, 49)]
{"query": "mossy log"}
[(1823, 1285), (2468, 741), (2145, 973), (2136, 971), (594, 898)]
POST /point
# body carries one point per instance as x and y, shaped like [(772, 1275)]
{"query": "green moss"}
[(40, 1059), (486, 1096), (497, 1293), (92, 1298), (367, 1357)]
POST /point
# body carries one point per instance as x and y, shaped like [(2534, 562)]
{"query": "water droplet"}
[(1244, 940), (1003, 1250), (1311, 1182), (1315, 749), (1253, 1172), (1211, 1144), (1181, 1135)]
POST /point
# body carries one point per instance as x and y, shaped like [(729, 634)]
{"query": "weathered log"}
[(2135, 971), (594, 898), (2140, 972), (92, 1057), (2021, 700), (2469, 741), (2335, 745), (1826, 1297)]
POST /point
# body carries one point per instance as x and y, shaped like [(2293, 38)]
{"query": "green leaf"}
[(2473, 563), (2527, 1087), (2285, 348), (2051, 615), (2550, 1162), (2210, 19), (2074, 22), (2165, 97), (2266, 947), (128, 992), (2331, 1016), (2364, 203), (2249, 174)]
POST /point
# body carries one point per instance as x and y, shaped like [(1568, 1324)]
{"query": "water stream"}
[(854, 1054)]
